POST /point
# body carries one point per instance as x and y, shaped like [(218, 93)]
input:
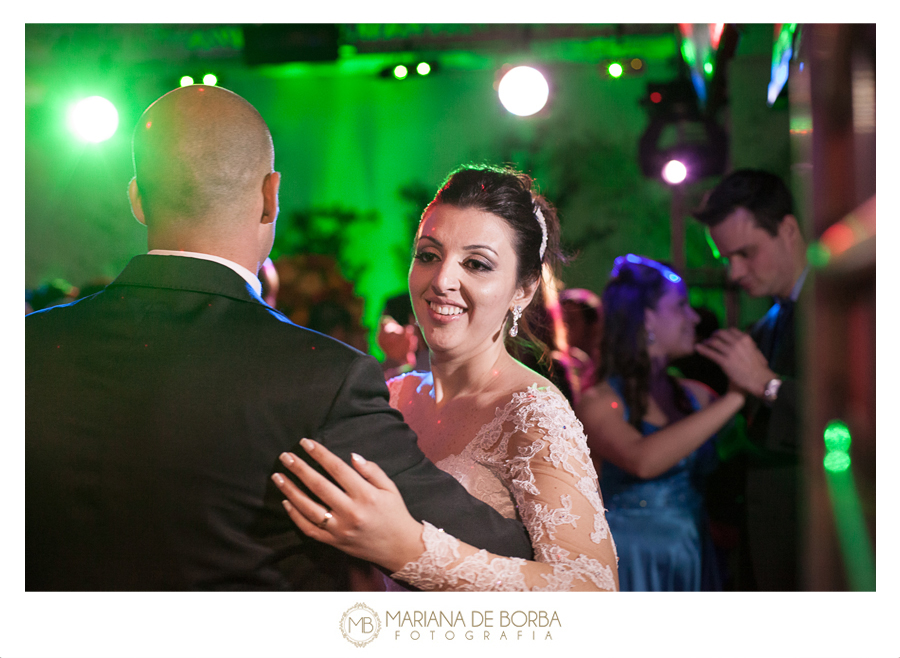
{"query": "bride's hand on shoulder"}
[(365, 516)]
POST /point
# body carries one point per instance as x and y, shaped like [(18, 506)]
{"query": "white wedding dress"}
[(532, 462)]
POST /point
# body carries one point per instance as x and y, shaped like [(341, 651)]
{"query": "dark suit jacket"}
[(775, 428), (773, 469), (155, 412)]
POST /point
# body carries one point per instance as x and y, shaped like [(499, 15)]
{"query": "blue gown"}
[(660, 525)]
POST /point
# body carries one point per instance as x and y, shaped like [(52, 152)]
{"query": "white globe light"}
[(94, 119), (523, 91), (674, 172)]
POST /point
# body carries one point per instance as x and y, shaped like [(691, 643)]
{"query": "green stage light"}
[(400, 72), (615, 70), (186, 81), (210, 79), (837, 436), (423, 68), (836, 461), (708, 68), (713, 248), (94, 119)]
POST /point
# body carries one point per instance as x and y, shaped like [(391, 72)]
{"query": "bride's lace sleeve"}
[(536, 446)]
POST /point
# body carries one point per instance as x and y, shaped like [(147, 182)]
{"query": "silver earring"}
[(651, 337), (514, 329)]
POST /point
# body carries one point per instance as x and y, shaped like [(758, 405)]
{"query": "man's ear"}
[(790, 228), (134, 196), (270, 197)]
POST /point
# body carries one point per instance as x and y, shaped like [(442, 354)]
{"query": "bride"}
[(505, 432)]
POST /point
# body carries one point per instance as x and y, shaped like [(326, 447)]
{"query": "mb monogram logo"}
[(360, 625)]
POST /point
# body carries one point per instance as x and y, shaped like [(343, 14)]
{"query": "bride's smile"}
[(445, 310)]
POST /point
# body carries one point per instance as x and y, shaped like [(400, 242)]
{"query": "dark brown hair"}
[(763, 194)]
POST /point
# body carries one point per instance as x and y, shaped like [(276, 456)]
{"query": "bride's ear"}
[(525, 294)]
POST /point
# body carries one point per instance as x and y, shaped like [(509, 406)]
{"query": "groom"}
[(156, 410)]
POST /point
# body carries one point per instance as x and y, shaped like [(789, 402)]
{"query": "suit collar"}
[(245, 274), (795, 291), (190, 274)]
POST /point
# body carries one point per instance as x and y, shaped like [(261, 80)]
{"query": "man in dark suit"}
[(751, 220), (157, 408)]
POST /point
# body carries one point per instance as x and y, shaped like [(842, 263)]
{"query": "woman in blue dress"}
[(650, 433)]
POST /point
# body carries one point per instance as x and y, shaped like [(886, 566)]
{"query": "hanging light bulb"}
[(523, 91), (674, 172)]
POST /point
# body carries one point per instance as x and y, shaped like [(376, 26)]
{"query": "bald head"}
[(201, 155)]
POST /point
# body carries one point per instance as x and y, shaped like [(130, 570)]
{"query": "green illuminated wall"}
[(348, 139), (366, 138)]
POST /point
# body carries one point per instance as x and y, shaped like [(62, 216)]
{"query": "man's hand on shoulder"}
[(735, 352)]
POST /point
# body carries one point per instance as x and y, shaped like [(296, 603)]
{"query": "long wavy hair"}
[(636, 284)]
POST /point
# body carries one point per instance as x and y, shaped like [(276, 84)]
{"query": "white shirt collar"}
[(798, 286), (246, 274)]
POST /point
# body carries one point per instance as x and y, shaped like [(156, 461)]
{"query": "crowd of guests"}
[(643, 385)]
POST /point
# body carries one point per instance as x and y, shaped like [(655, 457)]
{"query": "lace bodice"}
[(530, 461)]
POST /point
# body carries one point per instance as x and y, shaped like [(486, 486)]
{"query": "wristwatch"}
[(771, 392)]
